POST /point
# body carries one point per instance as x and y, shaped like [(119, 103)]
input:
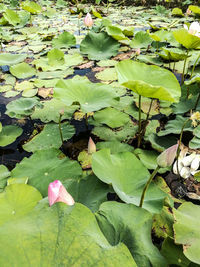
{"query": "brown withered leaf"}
[(45, 92), (123, 56), (87, 65)]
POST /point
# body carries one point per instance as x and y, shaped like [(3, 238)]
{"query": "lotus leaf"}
[(148, 81), (22, 70), (186, 39), (195, 9), (173, 54), (141, 39), (9, 134), (116, 33), (115, 146), (49, 165), (99, 46), (90, 96), (65, 40), (128, 177), (55, 57), (186, 229), (109, 74), (11, 16), (11, 59), (31, 7), (59, 236), (131, 225)]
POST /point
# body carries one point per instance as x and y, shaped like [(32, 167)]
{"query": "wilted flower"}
[(88, 20), (58, 193), (62, 112), (194, 28), (166, 158), (91, 146), (195, 117)]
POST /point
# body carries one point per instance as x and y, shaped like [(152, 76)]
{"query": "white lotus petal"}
[(195, 164), (185, 172), (188, 160)]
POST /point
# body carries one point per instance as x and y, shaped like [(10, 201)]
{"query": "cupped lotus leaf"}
[(114, 146), (16, 201), (64, 40), (130, 225), (194, 79), (49, 165), (99, 46), (31, 7), (11, 16), (11, 59), (188, 40), (111, 117), (115, 32), (141, 39), (160, 143), (148, 81), (60, 235), (177, 12), (50, 137), (194, 9), (128, 177), (9, 134), (186, 230), (50, 111), (173, 54), (22, 70), (21, 107), (90, 96), (55, 57)]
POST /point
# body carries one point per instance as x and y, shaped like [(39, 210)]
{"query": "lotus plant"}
[(194, 28), (91, 146), (58, 193), (88, 21)]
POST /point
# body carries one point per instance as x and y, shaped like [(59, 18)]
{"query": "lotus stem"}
[(194, 66), (183, 74), (60, 129), (174, 66), (79, 30), (197, 102), (139, 122), (147, 185), (86, 120)]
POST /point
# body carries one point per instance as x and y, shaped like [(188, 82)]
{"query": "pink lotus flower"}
[(58, 193), (167, 157), (91, 146), (88, 20)]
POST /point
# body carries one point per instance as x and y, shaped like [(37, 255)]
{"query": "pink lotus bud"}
[(188, 12), (58, 193), (167, 157), (62, 112), (88, 20), (137, 52), (91, 146)]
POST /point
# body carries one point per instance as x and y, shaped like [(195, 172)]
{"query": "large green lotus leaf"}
[(90, 96), (128, 177), (111, 117), (173, 54), (174, 254), (186, 230), (22, 70), (148, 81), (116, 33), (130, 225), (55, 57), (49, 165), (17, 200), (99, 46), (141, 39), (50, 137), (31, 7), (194, 143), (21, 107), (9, 134), (89, 191), (124, 133), (50, 111), (60, 235), (161, 143), (64, 40), (195, 9), (186, 39), (11, 16), (115, 146), (11, 59), (175, 126)]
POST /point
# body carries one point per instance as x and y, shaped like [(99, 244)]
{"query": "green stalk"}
[(139, 122), (197, 102), (183, 74), (147, 185), (86, 121), (60, 129), (194, 66)]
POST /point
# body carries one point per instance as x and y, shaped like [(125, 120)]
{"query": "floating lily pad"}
[(128, 177), (50, 137), (49, 165), (22, 70), (64, 40), (11, 16), (141, 39), (9, 134), (109, 74), (115, 146), (99, 46), (55, 57), (31, 7), (148, 81), (116, 33), (11, 59)]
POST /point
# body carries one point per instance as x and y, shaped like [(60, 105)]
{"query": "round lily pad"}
[(9, 134), (22, 70)]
